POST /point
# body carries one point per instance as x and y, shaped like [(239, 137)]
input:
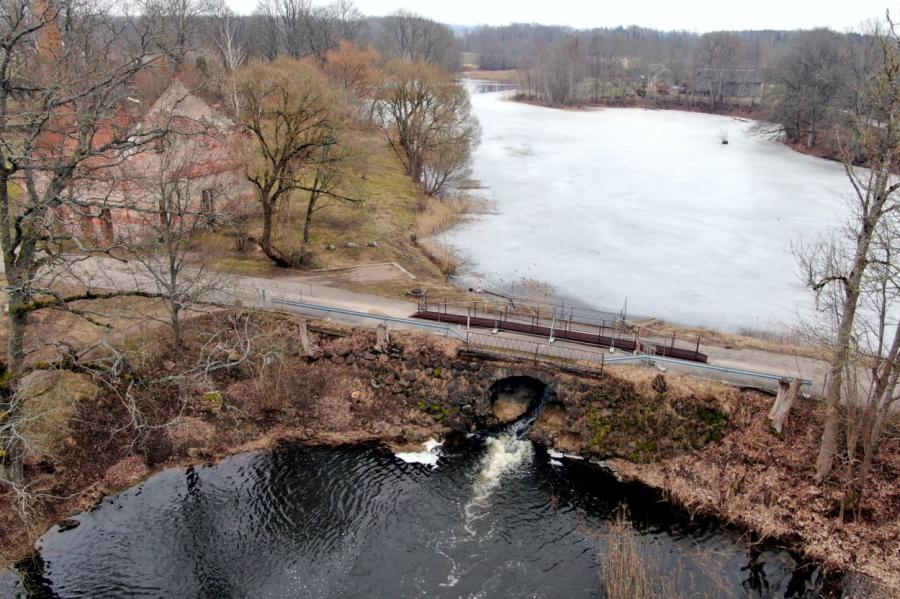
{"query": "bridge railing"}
[(531, 320), (535, 350)]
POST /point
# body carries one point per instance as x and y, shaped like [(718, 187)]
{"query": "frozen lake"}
[(618, 203)]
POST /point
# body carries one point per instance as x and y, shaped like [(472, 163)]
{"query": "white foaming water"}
[(429, 456), (505, 454)]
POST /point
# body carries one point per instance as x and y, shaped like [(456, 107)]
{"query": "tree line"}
[(800, 82)]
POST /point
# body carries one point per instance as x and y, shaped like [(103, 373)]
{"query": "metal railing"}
[(531, 320), (429, 327), (549, 352), (536, 351)]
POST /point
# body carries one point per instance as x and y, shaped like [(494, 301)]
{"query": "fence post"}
[(698, 345), (602, 362)]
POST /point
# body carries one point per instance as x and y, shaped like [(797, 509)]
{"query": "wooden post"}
[(382, 338), (787, 393), (309, 350)]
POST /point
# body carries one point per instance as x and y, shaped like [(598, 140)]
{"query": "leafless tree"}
[(329, 173), (267, 30), (59, 132), (327, 25), (428, 121), (717, 60), (288, 110), (229, 42), (809, 80), (178, 23), (177, 201), (853, 274), (408, 36)]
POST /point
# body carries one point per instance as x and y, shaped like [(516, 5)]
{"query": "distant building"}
[(202, 148)]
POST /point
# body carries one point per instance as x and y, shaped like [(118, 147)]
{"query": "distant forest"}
[(801, 81)]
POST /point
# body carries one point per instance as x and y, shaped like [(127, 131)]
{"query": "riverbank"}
[(674, 433)]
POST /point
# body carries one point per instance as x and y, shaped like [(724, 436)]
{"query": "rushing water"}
[(495, 518), (647, 205)]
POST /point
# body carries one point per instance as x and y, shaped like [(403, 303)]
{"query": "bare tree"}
[(177, 201), (809, 79), (840, 269), (228, 40), (268, 30), (59, 131), (327, 25), (428, 121), (717, 58), (178, 23), (295, 17), (410, 37), (328, 175), (287, 109), (356, 70)]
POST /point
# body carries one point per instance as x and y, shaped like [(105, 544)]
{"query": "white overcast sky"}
[(692, 15)]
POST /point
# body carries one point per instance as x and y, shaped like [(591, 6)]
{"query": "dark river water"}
[(497, 517)]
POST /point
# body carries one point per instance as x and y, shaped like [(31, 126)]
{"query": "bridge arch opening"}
[(514, 396)]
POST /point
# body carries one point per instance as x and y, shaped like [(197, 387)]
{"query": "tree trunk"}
[(11, 466), (382, 338), (309, 350), (787, 393), (307, 224), (265, 242), (828, 445), (17, 323), (11, 461)]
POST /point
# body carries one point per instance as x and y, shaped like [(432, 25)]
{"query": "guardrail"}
[(561, 354), (697, 367), (429, 327)]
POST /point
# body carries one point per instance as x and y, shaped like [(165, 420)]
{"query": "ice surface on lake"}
[(650, 206)]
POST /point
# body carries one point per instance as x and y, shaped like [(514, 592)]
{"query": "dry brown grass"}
[(678, 386), (391, 214), (511, 76), (448, 261), (625, 570), (438, 216), (762, 482)]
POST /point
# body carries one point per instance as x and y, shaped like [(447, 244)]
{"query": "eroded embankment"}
[(673, 433)]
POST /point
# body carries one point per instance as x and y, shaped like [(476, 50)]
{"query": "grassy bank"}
[(390, 224)]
